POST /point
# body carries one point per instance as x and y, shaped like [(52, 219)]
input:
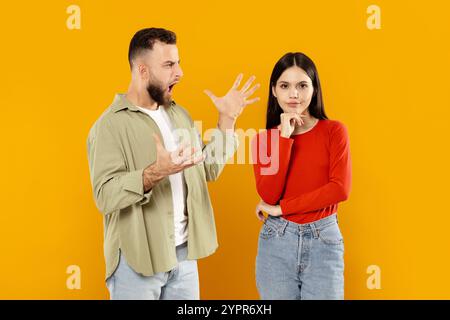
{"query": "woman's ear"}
[(273, 91)]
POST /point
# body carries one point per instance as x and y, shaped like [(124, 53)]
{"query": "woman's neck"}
[(308, 122)]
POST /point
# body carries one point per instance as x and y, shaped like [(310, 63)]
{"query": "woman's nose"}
[(293, 94)]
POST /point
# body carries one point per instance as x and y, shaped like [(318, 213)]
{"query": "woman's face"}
[(293, 90)]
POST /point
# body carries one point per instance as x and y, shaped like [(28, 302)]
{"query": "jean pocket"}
[(331, 234), (267, 232)]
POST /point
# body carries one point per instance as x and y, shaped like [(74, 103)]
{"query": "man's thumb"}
[(209, 94)]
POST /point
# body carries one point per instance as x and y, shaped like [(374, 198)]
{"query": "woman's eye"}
[(283, 86)]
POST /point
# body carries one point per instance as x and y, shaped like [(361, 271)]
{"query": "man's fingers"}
[(248, 83), (210, 95), (251, 101), (177, 156), (191, 157), (180, 149), (237, 82), (199, 159), (252, 90), (188, 154), (193, 161)]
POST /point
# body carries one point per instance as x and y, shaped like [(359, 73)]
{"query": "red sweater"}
[(311, 175)]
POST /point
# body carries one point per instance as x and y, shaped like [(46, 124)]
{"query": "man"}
[(150, 186)]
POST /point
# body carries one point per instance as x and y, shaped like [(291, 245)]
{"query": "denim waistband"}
[(181, 251), (280, 223)]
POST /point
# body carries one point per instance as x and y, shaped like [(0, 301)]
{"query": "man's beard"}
[(158, 95)]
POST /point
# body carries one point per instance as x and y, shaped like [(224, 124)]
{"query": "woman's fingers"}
[(293, 118), (260, 216), (259, 213), (299, 120)]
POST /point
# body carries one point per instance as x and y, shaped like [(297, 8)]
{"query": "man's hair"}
[(145, 39)]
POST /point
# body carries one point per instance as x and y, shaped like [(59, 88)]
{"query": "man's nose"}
[(178, 72)]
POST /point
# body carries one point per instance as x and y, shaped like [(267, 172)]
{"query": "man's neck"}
[(140, 98)]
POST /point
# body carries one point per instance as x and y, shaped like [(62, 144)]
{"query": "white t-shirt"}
[(177, 182)]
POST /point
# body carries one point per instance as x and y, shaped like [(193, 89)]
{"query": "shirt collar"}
[(121, 102)]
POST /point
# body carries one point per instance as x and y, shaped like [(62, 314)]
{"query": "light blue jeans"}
[(300, 261), (180, 283)]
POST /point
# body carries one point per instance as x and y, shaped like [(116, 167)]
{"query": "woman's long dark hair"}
[(316, 108)]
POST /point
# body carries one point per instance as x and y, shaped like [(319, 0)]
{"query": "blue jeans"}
[(300, 261), (178, 284)]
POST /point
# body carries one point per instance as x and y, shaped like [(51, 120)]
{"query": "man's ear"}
[(142, 70)]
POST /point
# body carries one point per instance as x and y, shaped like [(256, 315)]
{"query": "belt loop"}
[(314, 230), (283, 227)]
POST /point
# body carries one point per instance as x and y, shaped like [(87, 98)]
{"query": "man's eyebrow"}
[(171, 61)]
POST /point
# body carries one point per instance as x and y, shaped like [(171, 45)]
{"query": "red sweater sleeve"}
[(271, 154), (338, 187)]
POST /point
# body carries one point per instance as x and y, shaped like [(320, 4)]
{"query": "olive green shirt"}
[(141, 225)]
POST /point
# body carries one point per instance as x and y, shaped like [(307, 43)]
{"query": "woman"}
[(302, 167)]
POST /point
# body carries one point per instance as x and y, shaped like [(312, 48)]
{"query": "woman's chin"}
[(298, 110)]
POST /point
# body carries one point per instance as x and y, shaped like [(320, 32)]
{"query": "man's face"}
[(164, 71)]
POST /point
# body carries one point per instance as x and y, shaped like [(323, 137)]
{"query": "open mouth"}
[(170, 89)]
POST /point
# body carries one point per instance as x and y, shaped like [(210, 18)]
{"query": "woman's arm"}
[(271, 154)]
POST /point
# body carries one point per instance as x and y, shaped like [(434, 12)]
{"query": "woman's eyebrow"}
[(303, 81)]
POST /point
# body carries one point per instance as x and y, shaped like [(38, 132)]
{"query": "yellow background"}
[(389, 86)]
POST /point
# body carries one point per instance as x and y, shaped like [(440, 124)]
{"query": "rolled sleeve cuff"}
[(133, 182), (231, 142)]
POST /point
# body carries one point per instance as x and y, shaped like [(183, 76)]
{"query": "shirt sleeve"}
[(114, 187), (221, 147), (338, 187), (271, 155)]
